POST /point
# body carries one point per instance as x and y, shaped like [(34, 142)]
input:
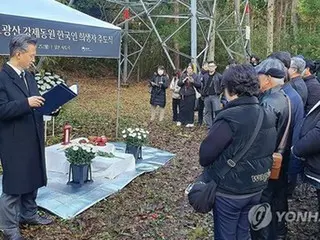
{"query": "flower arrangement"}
[(135, 136), (80, 154), (46, 81)]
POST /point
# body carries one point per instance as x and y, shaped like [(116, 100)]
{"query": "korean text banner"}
[(61, 38)]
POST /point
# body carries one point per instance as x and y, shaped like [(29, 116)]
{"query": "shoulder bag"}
[(278, 155), (201, 194)]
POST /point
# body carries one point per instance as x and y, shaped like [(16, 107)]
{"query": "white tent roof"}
[(50, 10)]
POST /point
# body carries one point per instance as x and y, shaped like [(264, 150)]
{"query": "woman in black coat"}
[(307, 148), (240, 189), (159, 83), (188, 83)]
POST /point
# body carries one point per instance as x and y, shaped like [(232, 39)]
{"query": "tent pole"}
[(118, 97), (125, 48)]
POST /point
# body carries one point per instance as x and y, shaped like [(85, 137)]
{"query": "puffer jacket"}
[(251, 173), (158, 93)]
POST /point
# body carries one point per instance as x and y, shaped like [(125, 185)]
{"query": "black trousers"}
[(200, 110), (187, 104), (276, 194), (175, 109)]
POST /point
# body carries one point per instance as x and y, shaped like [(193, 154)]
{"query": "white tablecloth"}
[(101, 166)]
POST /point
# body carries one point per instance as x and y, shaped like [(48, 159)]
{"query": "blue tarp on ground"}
[(66, 201), (60, 30)]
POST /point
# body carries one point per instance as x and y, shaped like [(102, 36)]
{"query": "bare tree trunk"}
[(279, 22), (285, 22), (176, 42), (212, 44), (270, 26), (281, 14), (294, 18)]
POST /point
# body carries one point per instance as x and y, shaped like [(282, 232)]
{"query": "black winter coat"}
[(158, 93), (300, 86), (308, 144), (21, 135), (187, 87), (251, 173), (276, 99), (313, 87)]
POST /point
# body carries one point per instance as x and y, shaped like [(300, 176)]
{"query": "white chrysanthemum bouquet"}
[(135, 136), (80, 154), (46, 81)]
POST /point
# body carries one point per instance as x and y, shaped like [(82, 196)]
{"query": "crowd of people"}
[(284, 90), (287, 90), (190, 92)]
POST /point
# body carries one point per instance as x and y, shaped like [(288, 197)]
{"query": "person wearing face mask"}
[(312, 84), (188, 83), (240, 189), (159, 83), (175, 97), (254, 60)]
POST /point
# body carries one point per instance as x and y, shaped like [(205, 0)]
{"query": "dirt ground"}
[(153, 206)]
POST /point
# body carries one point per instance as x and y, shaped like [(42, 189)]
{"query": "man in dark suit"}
[(21, 140)]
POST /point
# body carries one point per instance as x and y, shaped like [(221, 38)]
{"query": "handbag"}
[(198, 95), (278, 155), (201, 194)]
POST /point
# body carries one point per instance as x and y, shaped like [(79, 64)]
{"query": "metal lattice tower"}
[(201, 16)]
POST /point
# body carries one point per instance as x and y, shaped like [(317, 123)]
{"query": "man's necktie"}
[(23, 77)]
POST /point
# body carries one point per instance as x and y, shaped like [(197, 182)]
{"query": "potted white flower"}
[(46, 81), (80, 157), (135, 138)]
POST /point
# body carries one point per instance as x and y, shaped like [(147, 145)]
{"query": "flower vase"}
[(80, 174), (136, 151)]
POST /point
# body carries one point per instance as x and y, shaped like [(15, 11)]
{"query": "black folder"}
[(55, 98)]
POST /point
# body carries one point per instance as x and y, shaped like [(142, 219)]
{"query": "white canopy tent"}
[(61, 31)]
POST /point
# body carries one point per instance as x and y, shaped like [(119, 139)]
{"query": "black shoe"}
[(38, 220), (12, 234)]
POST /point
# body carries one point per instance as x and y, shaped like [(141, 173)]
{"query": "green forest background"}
[(296, 29)]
